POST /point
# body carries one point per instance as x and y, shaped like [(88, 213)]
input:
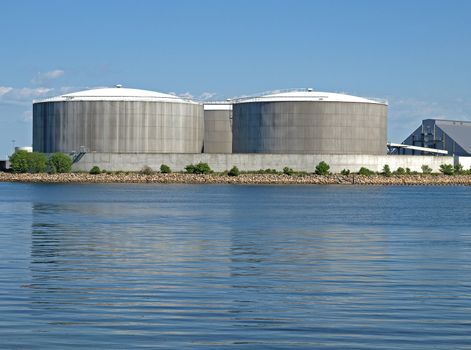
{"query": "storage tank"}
[(309, 122), (218, 127), (118, 120), (28, 149)]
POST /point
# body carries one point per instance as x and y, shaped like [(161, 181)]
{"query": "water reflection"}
[(272, 267)]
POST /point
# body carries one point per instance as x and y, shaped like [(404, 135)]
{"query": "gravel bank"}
[(241, 179)]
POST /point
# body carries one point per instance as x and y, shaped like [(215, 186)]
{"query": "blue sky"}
[(416, 54)]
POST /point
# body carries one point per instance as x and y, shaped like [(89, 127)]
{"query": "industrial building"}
[(127, 129), (309, 122), (451, 136), (218, 127), (118, 120)]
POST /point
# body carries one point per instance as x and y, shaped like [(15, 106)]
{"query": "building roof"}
[(117, 94), (459, 131), (218, 106), (309, 95)]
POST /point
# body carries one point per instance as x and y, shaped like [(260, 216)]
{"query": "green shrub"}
[(400, 171), (458, 169), (95, 170), (447, 169), (345, 172), (190, 169), (426, 169), (51, 169), (28, 162), (59, 163), (322, 168), (234, 171), (365, 171), (301, 173), (408, 171), (19, 162), (200, 168), (165, 169), (386, 171), (288, 171), (37, 162), (146, 170)]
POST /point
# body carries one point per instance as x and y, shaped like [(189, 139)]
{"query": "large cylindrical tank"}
[(118, 120), (218, 128), (309, 122)]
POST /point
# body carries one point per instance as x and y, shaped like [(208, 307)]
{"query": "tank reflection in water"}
[(176, 266)]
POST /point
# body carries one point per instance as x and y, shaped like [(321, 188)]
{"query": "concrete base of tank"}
[(252, 162)]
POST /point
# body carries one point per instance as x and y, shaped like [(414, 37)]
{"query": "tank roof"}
[(218, 106), (117, 94), (309, 95)]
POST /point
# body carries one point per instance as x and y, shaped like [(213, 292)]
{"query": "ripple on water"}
[(282, 267)]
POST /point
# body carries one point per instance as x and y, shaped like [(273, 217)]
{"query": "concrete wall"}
[(221, 162), (316, 127), (217, 131), (464, 161), (118, 126)]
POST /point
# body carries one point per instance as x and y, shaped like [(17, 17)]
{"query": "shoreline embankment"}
[(243, 179)]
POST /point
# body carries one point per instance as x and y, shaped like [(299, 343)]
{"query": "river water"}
[(234, 267)]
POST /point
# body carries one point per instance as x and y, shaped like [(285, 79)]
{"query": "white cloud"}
[(22, 96), (5, 90), (41, 78), (187, 95), (203, 97), (206, 96), (28, 93)]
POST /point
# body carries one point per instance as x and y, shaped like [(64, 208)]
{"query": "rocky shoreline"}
[(255, 179)]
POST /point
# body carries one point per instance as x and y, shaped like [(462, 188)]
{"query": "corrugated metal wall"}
[(318, 127), (118, 126), (217, 131)]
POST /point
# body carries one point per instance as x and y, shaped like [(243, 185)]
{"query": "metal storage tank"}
[(309, 122), (118, 120), (218, 127)]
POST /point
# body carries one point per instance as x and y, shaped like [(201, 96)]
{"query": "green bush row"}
[(321, 169), (35, 162)]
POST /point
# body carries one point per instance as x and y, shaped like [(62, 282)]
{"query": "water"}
[(234, 267)]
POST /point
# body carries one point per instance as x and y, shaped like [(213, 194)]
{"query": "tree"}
[(400, 171), (458, 169), (288, 171), (200, 168), (322, 168), (234, 171), (426, 169), (59, 163), (165, 169), (386, 171), (447, 169), (28, 162), (19, 162), (365, 171), (95, 170)]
